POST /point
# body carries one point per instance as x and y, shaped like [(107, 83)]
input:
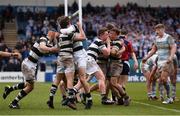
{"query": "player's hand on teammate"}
[(144, 60), (108, 40), (53, 49), (114, 52)]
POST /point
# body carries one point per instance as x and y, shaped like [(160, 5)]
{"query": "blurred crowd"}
[(139, 21)]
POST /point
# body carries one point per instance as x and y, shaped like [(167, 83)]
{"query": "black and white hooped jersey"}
[(101, 58), (35, 52), (118, 46), (65, 43), (77, 46), (95, 48)]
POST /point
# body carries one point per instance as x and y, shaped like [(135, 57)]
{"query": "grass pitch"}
[(35, 103)]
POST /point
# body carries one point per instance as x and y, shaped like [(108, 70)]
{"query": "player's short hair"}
[(115, 30), (159, 26), (123, 32), (63, 21), (102, 30), (109, 26)]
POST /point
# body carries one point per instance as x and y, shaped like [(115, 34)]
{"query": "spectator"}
[(1, 36), (9, 13), (12, 65), (139, 22)]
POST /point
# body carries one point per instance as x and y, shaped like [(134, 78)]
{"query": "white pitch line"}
[(158, 107), (146, 104)]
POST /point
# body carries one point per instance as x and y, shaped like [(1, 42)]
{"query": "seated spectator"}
[(10, 66)]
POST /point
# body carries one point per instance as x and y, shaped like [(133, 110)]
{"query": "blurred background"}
[(22, 22)]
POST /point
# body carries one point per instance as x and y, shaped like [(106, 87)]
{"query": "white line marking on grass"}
[(158, 107), (146, 104)]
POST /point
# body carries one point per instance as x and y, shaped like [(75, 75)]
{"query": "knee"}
[(30, 86), (163, 80), (82, 80), (102, 78), (112, 83), (102, 81)]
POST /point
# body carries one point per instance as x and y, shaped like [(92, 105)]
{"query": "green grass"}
[(35, 103)]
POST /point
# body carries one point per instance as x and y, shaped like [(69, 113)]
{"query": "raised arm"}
[(81, 35), (106, 51), (153, 51)]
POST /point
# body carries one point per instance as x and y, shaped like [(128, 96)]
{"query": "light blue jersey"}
[(163, 47)]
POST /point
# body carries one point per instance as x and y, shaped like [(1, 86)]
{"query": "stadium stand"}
[(139, 21)]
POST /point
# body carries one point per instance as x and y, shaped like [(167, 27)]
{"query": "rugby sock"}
[(149, 94), (17, 86), (21, 94), (113, 97), (153, 88), (161, 88), (89, 98), (64, 97), (71, 95), (167, 87), (173, 89), (52, 92), (75, 90), (103, 96), (125, 96)]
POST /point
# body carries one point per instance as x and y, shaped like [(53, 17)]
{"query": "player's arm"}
[(152, 51), (173, 49), (81, 35), (43, 47), (121, 51), (118, 49), (68, 30), (133, 55), (7, 54), (153, 71), (105, 50)]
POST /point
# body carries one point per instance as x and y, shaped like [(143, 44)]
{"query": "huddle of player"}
[(103, 59), (106, 58), (161, 64), (103, 54)]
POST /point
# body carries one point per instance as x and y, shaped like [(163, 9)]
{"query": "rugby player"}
[(43, 46), (165, 46)]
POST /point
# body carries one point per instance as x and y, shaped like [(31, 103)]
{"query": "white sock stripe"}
[(17, 98), (19, 95), (89, 98)]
